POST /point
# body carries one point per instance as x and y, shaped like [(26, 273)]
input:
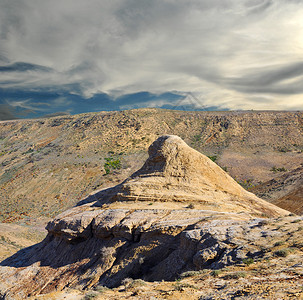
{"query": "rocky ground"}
[(179, 214), (268, 266), (276, 275)]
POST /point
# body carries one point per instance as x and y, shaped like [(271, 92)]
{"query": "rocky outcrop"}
[(89, 246), (175, 172), (97, 243)]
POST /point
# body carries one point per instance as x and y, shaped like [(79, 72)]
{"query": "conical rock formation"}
[(115, 234), (174, 172)]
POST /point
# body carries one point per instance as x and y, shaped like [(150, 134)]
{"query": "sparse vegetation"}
[(181, 286), (197, 138), (275, 169), (248, 261), (282, 252), (216, 273), (246, 183), (130, 283), (111, 164), (213, 158), (236, 275), (189, 274), (283, 149), (90, 295), (101, 289)]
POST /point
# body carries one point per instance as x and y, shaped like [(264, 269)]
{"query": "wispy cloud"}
[(228, 53)]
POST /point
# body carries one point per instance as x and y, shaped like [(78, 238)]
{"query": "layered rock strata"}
[(174, 172), (132, 230)]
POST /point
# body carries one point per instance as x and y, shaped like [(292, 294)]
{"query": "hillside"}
[(48, 165), (285, 190)]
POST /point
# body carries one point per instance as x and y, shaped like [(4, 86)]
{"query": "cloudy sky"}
[(75, 56)]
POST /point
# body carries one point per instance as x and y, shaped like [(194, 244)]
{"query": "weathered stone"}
[(96, 243), (176, 172)]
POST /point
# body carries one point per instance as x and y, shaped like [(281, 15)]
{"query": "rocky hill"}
[(48, 165), (180, 212)]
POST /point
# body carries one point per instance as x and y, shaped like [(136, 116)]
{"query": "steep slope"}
[(98, 244), (285, 190)]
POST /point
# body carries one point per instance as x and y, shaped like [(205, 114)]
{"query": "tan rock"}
[(174, 172), (95, 244)]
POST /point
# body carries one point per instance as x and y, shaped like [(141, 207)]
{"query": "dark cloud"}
[(23, 67), (258, 6), (280, 79)]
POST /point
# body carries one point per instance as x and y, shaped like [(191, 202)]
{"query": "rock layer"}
[(96, 244), (176, 172), (89, 246)]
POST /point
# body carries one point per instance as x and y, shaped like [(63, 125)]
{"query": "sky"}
[(73, 56)]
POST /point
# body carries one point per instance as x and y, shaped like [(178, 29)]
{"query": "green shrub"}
[(213, 158), (282, 252), (246, 183), (248, 261), (111, 164), (296, 221), (275, 169), (235, 275), (283, 149), (189, 274), (90, 295), (216, 273), (197, 138)]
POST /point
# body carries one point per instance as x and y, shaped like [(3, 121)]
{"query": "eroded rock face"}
[(105, 246), (96, 244), (176, 172)]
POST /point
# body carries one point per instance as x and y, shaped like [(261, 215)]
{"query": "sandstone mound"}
[(174, 172), (91, 245)]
